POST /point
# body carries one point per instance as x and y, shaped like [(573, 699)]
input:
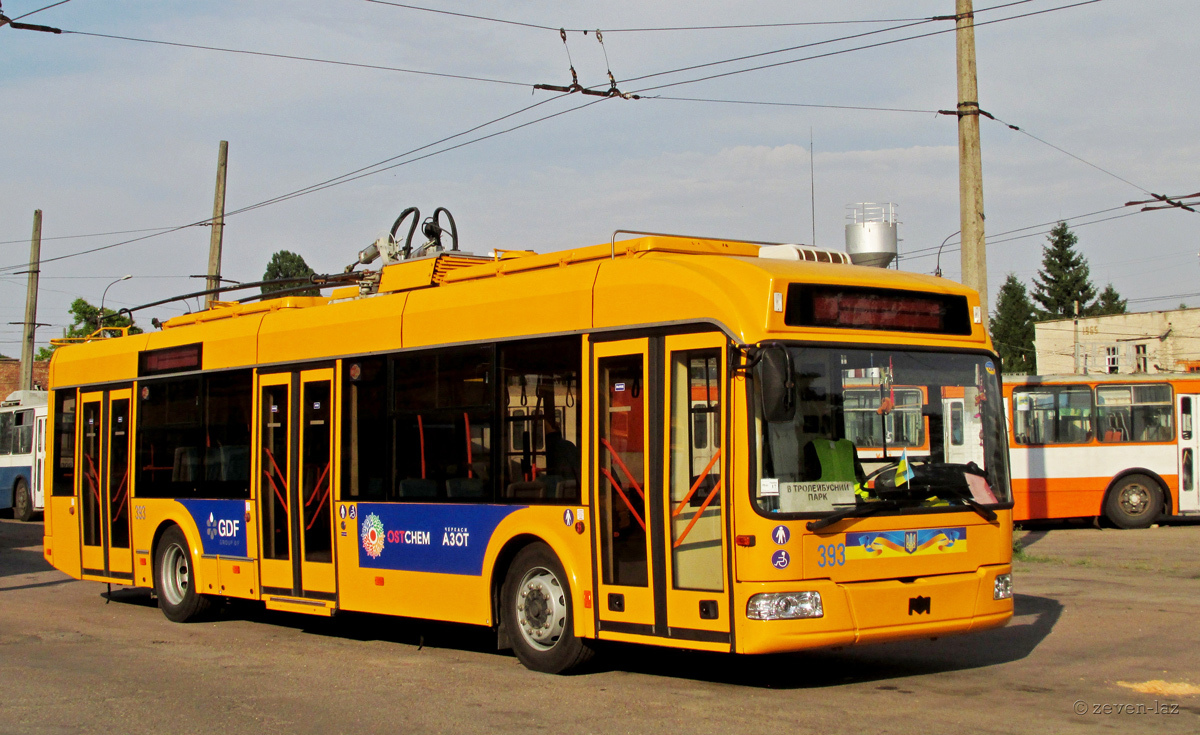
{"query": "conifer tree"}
[(1012, 328), (1064, 278), (1110, 302)]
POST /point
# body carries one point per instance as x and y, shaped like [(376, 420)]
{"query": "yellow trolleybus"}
[(651, 441)]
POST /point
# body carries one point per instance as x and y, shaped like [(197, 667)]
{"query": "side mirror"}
[(777, 382)]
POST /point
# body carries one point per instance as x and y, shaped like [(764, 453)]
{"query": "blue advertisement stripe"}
[(419, 537)]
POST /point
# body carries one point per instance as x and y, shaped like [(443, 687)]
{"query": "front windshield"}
[(920, 429)]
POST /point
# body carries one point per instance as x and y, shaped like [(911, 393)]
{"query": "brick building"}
[(10, 375)]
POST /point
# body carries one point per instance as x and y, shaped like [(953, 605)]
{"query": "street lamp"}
[(100, 316), (938, 271)]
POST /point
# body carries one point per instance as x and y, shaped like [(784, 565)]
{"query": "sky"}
[(106, 135)]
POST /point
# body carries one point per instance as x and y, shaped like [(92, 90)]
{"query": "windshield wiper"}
[(855, 511), (985, 512)]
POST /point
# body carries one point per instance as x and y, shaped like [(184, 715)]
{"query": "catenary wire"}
[(738, 26), (838, 52), (32, 12), (1021, 229), (788, 104), (312, 59), (344, 178)]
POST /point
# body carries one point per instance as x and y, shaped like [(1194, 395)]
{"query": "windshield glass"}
[(921, 429)]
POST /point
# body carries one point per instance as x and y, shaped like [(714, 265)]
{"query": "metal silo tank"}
[(871, 234)]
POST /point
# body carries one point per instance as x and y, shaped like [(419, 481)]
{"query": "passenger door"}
[(624, 598), (294, 430), (39, 490), (1188, 410), (116, 484), (660, 498), (103, 477), (694, 487), (89, 476)]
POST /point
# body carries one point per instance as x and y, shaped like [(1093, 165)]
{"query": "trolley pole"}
[(970, 165), (218, 225), (31, 296)]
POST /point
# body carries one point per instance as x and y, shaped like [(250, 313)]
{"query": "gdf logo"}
[(224, 527)]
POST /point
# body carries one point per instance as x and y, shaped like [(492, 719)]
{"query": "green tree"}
[(1110, 302), (1064, 278), (286, 264), (1012, 328), (84, 321)]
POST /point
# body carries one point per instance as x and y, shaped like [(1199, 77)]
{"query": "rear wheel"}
[(1134, 502), (22, 503), (536, 610), (174, 579)]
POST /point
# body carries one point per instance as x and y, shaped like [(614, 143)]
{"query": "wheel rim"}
[(541, 608), (1134, 499), (21, 502), (176, 575)]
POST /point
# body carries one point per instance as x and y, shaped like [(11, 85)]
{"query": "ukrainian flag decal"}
[(920, 542)]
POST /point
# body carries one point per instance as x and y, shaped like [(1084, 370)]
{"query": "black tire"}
[(174, 578), (1135, 501), (22, 502), (540, 623)]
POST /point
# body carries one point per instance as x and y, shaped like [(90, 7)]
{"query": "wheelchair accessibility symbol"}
[(780, 559)]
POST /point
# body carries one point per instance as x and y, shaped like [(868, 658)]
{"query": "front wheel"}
[(1134, 502), (175, 579), (536, 610), (22, 503)]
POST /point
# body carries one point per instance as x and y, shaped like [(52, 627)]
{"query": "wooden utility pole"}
[(218, 226), (31, 296), (970, 165)]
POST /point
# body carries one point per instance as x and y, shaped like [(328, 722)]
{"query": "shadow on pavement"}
[(22, 561), (835, 667), (805, 670)]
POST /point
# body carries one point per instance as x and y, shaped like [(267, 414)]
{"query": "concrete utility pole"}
[(970, 165), (1075, 339), (31, 296), (218, 226)]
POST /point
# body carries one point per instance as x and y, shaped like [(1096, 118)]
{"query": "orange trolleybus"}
[(651, 440), (1124, 447)]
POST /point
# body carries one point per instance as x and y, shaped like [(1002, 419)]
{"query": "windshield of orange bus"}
[(917, 429)]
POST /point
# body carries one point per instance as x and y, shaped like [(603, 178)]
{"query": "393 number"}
[(831, 555)]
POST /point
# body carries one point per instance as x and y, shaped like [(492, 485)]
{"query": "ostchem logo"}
[(372, 536)]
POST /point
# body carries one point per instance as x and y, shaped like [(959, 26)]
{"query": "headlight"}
[(1003, 589), (785, 606)]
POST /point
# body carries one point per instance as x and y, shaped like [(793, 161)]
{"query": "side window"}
[(6, 432), (1052, 415), (956, 424), (903, 426), (366, 436), (1135, 413), (539, 403), (194, 437), (63, 482), (23, 432), (442, 418)]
